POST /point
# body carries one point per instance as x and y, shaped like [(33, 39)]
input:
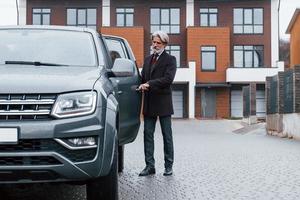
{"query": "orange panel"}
[(223, 103), (295, 43), (134, 36), (219, 37)]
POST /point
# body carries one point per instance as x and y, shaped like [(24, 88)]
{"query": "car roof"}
[(49, 27)]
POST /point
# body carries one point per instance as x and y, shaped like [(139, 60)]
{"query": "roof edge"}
[(292, 22)]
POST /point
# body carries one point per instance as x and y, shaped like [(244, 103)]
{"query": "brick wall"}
[(198, 103), (223, 103), (219, 37), (59, 9), (225, 19), (142, 18), (134, 36)]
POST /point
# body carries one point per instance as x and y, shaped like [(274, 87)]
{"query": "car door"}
[(125, 87)]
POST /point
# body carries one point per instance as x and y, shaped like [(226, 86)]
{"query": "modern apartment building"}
[(220, 45)]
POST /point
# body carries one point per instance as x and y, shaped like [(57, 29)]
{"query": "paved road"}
[(213, 160)]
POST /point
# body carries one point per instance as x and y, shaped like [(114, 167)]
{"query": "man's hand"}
[(143, 87)]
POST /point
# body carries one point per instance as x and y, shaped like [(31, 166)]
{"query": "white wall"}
[(245, 75), (106, 13), (291, 125), (8, 12), (188, 75), (189, 12), (22, 12), (274, 32)]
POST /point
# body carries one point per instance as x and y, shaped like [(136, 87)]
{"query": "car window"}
[(116, 48), (48, 46)]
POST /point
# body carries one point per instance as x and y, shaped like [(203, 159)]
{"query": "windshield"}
[(56, 47)]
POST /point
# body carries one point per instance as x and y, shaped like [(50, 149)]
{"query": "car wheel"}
[(105, 187), (121, 158)]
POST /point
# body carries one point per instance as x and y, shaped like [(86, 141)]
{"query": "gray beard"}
[(157, 51)]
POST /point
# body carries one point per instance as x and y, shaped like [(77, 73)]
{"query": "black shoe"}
[(147, 171), (168, 171)]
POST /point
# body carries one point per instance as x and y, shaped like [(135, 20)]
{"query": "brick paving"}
[(212, 161)]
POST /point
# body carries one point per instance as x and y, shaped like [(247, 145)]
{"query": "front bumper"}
[(38, 157)]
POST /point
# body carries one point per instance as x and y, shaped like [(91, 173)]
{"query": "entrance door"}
[(260, 104), (177, 96), (208, 103), (236, 103)]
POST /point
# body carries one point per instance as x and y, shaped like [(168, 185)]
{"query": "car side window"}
[(116, 49)]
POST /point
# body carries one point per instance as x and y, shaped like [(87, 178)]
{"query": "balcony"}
[(246, 75)]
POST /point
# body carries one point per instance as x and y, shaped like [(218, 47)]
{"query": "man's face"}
[(157, 45)]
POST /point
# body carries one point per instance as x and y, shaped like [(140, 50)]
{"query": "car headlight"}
[(74, 104)]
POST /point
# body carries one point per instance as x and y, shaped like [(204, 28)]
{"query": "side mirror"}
[(122, 68)]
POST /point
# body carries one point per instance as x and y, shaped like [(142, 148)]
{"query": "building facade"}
[(294, 31), (219, 45)]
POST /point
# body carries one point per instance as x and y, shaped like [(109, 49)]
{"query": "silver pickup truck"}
[(68, 104)]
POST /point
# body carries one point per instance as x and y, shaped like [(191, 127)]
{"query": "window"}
[(124, 16), (165, 19), (83, 17), (116, 49), (248, 56), (208, 16), (41, 16), (174, 50), (208, 58), (248, 20)]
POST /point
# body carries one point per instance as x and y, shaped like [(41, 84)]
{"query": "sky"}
[(8, 14), (287, 7)]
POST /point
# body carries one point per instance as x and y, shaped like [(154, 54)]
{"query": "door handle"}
[(134, 87)]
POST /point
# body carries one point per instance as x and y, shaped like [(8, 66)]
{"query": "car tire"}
[(120, 158), (105, 187)]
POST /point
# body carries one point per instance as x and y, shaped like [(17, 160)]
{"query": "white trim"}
[(106, 13), (188, 75), (22, 12), (189, 13), (247, 75), (274, 33)]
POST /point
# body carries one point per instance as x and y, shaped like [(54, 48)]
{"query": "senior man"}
[(157, 76)]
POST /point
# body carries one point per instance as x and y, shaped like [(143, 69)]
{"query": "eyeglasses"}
[(155, 42)]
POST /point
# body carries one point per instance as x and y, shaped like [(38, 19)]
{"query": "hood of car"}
[(46, 79)]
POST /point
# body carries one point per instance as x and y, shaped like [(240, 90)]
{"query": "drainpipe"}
[(278, 9), (17, 8)]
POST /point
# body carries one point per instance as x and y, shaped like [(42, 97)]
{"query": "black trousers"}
[(166, 129)]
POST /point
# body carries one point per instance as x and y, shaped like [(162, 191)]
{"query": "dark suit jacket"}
[(158, 100)]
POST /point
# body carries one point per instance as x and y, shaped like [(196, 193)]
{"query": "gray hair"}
[(161, 35)]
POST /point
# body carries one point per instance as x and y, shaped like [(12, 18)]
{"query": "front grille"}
[(28, 160), (35, 175), (47, 145), (26, 106)]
